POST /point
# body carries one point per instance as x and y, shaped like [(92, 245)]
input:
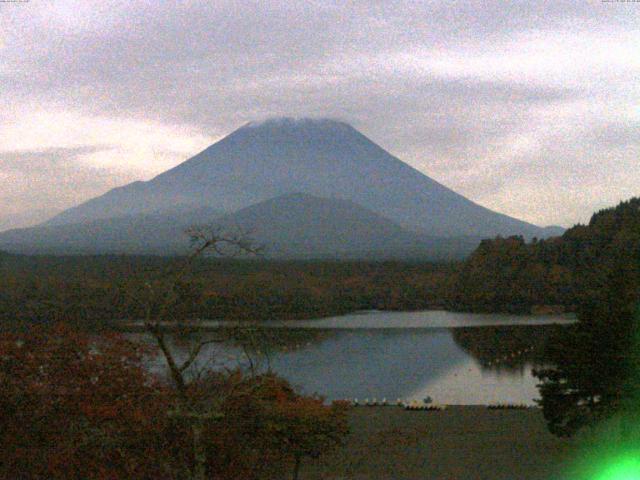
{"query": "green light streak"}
[(625, 468), (611, 450)]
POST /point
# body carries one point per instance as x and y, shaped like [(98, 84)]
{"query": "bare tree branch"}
[(193, 354), (162, 294)]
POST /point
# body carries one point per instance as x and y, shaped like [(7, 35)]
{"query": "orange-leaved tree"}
[(74, 407), (267, 428)]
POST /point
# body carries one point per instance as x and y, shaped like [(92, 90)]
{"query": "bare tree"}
[(160, 294)]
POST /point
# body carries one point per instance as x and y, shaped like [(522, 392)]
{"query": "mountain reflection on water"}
[(465, 365)]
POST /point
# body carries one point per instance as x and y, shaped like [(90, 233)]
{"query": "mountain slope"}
[(160, 233), (324, 158), (291, 226)]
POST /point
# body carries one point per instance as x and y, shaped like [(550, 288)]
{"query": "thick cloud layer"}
[(529, 108)]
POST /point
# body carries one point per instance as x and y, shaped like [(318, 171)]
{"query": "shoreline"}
[(364, 319)]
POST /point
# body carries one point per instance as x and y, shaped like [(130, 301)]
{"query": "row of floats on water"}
[(426, 405), (413, 405), (510, 406)]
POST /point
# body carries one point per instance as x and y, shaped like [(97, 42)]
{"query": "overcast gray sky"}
[(529, 108)]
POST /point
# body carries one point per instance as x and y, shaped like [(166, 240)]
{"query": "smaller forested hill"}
[(508, 274)]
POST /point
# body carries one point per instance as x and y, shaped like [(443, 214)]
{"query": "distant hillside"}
[(290, 226), (159, 234), (324, 158), (510, 274), (304, 226)]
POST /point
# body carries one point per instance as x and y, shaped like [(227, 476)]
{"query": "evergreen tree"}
[(596, 369)]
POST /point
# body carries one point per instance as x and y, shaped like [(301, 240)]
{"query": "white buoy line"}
[(425, 405)]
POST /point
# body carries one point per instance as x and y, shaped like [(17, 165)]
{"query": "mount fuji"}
[(342, 195)]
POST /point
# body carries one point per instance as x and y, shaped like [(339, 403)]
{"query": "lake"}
[(454, 358)]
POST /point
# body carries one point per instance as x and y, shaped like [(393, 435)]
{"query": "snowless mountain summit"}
[(319, 157)]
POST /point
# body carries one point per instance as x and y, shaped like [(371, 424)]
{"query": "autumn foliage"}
[(75, 407), (508, 274), (271, 428), (92, 292)]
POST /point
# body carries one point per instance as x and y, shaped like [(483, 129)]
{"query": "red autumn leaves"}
[(74, 407)]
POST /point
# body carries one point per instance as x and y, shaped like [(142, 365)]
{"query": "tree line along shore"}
[(501, 275)]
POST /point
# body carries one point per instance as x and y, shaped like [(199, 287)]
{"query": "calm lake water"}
[(455, 358)]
